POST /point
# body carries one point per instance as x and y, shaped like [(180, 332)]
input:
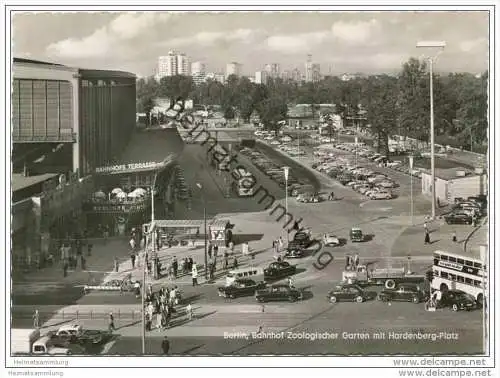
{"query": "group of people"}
[(159, 307), (351, 262), (278, 245)]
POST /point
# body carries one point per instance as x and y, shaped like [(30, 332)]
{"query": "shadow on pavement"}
[(242, 238)]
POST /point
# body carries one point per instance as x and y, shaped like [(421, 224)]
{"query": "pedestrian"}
[(132, 244), (347, 262), (209, 252), (425, 227), (280, 244), (212, 270), (36, 319), (235, 263), (158, 319), (111, 325), (210, 248), (89, 249), (137, 289), (189, 311), (115, 264), (132, 259), (356, 260), (427, 238), (454, 236), (83, 262), (65, 268), (194, 275), (290, 282), (191, 262), (175, 266), (165, 345), (216, 250), (226, 261)]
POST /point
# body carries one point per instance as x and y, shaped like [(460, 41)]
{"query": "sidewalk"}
[(98, 264), (477, 238)]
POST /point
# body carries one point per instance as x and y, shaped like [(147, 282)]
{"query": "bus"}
[(458, 272), (244, 183)]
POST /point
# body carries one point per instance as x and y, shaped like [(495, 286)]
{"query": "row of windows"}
[(459, 261), (458, 278)]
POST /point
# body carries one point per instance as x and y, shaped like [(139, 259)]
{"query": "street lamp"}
[(432, 45), (286, 171), (411, 188), (144, 266), (205, 225)]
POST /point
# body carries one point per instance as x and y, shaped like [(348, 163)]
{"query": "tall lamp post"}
[(286, 170), (152, 240), (205, 226), (411, 188), (432, 45)]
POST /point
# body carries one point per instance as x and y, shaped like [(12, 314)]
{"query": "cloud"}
[(473, 44), (104, 40), (297, 43), (206, 39), (355, 32)]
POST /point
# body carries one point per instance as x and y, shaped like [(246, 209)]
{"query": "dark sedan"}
[(458, 218), (279, 269), (278, 293), (402, 294), (347, 293), (240, 288), (457, 300), (302, 239)]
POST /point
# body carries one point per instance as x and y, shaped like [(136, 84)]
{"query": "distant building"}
[(198, 72), (347, 77), (272, 70), (172, 64), (233, 68), (216, 77), (261, 77), (286, 75), (296, 75)]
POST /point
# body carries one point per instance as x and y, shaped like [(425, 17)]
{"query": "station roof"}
[(20, 181), (151, 146)]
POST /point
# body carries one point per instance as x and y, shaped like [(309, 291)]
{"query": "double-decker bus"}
[(458, 272), (244, 184)]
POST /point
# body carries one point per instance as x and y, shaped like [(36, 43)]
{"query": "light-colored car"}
[(377, 178), (330, 240), (363, 189), (76, 332), (386, 184), (269, 137), (381, 195), (275, 142), (286, 139), (307, 198), (257, 133), (394, 163)]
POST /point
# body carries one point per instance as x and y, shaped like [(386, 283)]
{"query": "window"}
[(478, 283), (444, 274), (453, 277), (39, 348), (468, 281), (445, 258), (460, 279), (461, 261), (478, 265), (468, 263), (452, 259)]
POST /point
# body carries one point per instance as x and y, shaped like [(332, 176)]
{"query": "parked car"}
[(294, 251), (330, 240), (74, 333), (278, 293), (458, 218), (457, 300), (279, 269), (240, 288), (356, 235), (386, 184), (347, 293), (380, 195), (302, 238), (404, 293)]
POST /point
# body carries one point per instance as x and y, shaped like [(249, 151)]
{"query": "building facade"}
[(261, 77), (233, 68), (172, 64), (272, 70)]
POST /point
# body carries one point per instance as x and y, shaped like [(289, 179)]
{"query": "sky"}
[(341, 42)]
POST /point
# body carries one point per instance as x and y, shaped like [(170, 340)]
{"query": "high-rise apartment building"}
[(261, 77), (296, 75), (233, 68), (272, 70), (198, 72), (313, 71), (286, 75), (172, 64)]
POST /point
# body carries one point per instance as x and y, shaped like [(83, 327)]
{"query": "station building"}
[(66, 122)]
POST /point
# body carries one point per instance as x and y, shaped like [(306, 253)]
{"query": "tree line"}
[(395, 104)]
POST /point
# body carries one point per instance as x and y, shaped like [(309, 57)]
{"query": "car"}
[(303, 238), (458, 218), (457, 300), (393, 164), (240, 288), (380, 195), (278, 293), (356, 235), (404, 293), (294, 251), (386, 184), (307, 198), (279, 269), (74, 333), (347, 293), (376, 178), (330, 240), (364, 189), (257, 133)]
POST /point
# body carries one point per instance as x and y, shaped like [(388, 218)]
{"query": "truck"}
[(389, 277), (31, 342)]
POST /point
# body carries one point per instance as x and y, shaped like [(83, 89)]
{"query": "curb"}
[(471, 234)]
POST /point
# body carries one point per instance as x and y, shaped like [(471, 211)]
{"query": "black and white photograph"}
[(282, 181)]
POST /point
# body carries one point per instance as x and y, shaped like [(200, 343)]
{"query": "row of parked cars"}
[(467, 210), (372, 184), (276, 172)]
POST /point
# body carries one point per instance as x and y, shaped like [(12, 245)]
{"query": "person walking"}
[(132, 258), (115, 264), (427, 239), (235, 263), (290, 282), (165, 345), (356, 260), (216, 250), (189, 311), (191, 263), (132, 244), (454, 236), (280, 244), (175, 266), (194, 275), (36, 319), (426, 229), (111, 325), (226, 261)]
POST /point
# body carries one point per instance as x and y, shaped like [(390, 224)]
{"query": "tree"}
[(271, 111)]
